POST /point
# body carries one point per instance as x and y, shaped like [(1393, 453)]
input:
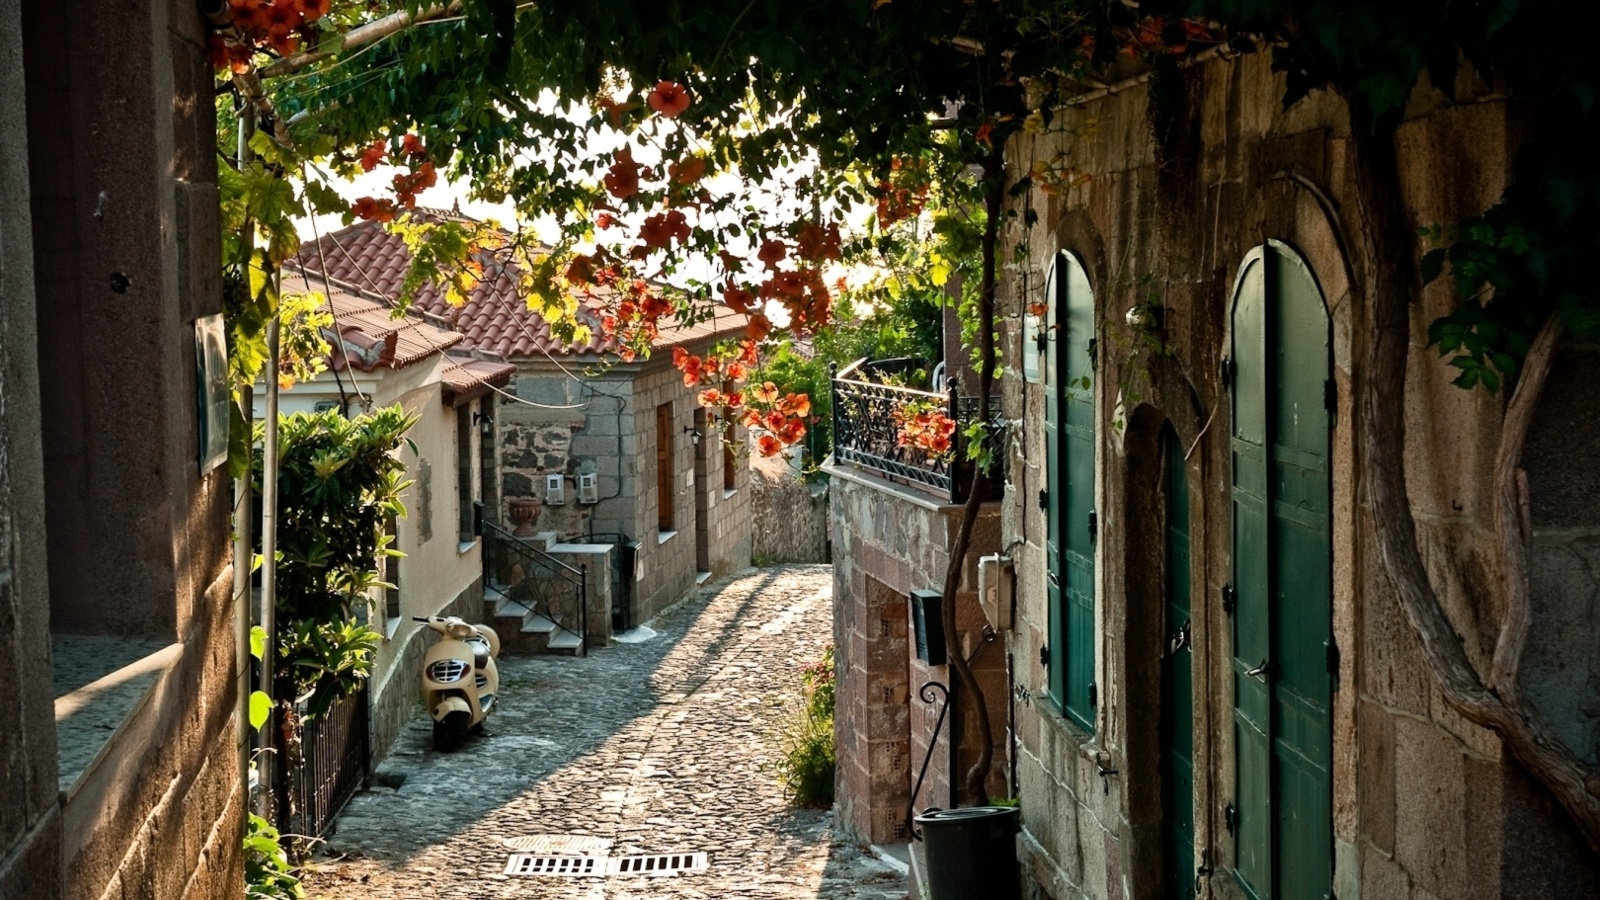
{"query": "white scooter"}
[(459, 679)]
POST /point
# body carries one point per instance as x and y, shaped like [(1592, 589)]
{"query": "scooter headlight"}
[(446, 671)]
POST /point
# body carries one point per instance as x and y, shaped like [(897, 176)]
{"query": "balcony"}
[(907, 435)]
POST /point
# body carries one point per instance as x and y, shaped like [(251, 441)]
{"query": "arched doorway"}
[(1281, 595), (1177, 679)]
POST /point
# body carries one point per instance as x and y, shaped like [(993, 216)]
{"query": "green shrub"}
[(807, 766), (267, 873)]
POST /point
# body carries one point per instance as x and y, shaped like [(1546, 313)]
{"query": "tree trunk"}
[(1391, 283), (974, 787)]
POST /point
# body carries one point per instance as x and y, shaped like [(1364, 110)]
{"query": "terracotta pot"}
[(524, 510)]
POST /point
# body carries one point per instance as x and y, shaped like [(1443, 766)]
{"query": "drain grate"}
[(570, 866), (600, 865), (659, 864)]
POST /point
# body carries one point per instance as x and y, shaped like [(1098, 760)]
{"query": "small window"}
[(666, 520), (465, 460), (730, 457)]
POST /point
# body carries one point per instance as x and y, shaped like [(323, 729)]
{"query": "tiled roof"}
[(369, 336), (495, 318), (466, 377)]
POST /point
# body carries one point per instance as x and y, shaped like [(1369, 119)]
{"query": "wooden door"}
[(1282, 579)]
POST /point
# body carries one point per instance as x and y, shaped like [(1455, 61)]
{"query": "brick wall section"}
[(890, 541), (1424, 804)]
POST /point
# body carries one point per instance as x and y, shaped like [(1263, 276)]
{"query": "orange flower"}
[(604, 220), (622, 179), (581, 270), (711, 398), (792, 431), (798, 405), (767, 392), (413, 146), (817, 243), (983, 133), (687, 171), (372, 156), (769, 445), (758, 328), (737, 298), (669, 99), (373, 209), (772, 253)]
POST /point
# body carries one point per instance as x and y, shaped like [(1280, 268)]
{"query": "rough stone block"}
[(1375, 735), (1430, 807)]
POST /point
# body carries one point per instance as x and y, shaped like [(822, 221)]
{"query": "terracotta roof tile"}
[(369, 335), (495, 318)]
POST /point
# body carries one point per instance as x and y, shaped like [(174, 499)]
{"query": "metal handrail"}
[(864, 436), (577, 577)]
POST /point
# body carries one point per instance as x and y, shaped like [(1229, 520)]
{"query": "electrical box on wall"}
[(996, 589), (588, 488), (927, 619), (555, 489)]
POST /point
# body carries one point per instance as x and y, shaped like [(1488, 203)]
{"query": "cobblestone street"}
[(664, 746)]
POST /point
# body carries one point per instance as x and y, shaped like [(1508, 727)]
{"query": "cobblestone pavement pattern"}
[(663, 746)]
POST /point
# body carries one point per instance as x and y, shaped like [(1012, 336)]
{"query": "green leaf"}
[(258, 641), (260, 709)]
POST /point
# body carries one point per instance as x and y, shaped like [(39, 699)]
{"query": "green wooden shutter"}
[(1069, 492), (1051, 495), (1177, 684), (1282, 571), (1076, 346), (1302, 581), (1251, 712)]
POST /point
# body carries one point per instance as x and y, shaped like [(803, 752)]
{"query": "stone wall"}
[(891, 540), (126, 537), (790, 516), (1424, 803), (607, 425), (30, 819)]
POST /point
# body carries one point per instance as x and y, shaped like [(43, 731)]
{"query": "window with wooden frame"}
[(665, 476)]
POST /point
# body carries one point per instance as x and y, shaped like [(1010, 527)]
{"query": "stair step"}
[(701, 578), (534, 623), (565, 641), (507, 608)]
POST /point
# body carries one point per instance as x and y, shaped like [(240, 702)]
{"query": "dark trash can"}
[(971, 853)]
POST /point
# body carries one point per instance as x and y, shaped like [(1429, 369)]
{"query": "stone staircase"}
[(523, 630)]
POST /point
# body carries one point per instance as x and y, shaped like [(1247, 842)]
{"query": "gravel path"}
[(664, 746)]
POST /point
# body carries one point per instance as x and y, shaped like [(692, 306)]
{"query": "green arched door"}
[(1177, 684), (1068, 498), (1282, 578)]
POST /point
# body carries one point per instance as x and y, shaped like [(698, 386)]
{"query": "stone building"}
[(380, 361), (1233, 703), (1209, 687), (593, 451), (126, 779)]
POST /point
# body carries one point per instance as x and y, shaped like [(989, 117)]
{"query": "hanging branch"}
[(1392, 282), (359, 36)]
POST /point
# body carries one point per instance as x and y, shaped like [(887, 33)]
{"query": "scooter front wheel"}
[(449, 732)]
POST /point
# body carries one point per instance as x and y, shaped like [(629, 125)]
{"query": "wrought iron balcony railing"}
[(870, 432)]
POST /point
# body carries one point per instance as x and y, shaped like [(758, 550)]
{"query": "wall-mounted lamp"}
[(694, 436), (485, 423)]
